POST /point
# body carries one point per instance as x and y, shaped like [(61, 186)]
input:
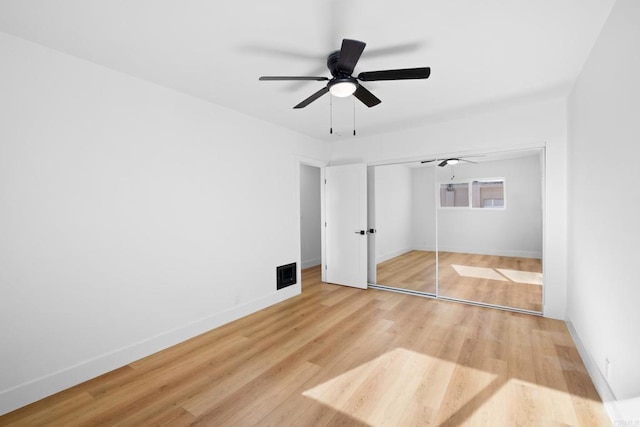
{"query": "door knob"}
[(361, 232)]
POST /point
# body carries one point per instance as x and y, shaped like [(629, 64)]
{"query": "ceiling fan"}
[(341, 64), (451, 161)]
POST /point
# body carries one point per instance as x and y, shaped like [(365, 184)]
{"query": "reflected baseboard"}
[(391, 255), (481, 251), (492, 252)]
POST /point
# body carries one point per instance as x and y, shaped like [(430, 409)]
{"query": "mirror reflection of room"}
[(490, 243), (406, 229), (485, 213)]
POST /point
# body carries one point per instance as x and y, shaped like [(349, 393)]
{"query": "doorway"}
[(310, 219)]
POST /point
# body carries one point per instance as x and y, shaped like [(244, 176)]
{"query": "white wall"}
[(310, 238), (424, 208), (534, 124), (513, 231), (393, 207), (132, 217), (604, 231)]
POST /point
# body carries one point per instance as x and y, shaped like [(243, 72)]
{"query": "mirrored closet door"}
[(490, 229), (462, 228), (405, 238)]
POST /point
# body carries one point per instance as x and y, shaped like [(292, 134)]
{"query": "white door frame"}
[(301, 160)]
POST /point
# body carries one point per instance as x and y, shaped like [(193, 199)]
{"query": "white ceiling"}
[(481, 53)]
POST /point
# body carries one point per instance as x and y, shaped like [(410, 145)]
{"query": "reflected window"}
[(454, 195), (487, 193), (476, 193)]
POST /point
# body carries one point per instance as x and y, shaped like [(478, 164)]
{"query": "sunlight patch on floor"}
[(537, 404), (478, 272), (499, 274), (397, 388), (518, 276)]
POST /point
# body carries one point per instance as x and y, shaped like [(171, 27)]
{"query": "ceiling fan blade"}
[(402, 74), (366, 97), (312, 98), (349, 55), (283, 53), (443, 163), (428, 161), (468, 161), (393, 50), (289, 78)]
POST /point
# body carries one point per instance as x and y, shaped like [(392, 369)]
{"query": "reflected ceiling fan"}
[(341, 64), (451, 161)]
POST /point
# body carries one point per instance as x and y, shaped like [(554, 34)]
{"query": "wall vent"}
[(286, 275)]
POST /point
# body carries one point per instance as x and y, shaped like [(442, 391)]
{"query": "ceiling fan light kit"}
[(342, 87), (342, 84)]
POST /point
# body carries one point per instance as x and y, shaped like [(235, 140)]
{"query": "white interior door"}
[(346, 225)]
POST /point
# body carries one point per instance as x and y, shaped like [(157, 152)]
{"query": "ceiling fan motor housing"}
[(342, 84), (332, 63)]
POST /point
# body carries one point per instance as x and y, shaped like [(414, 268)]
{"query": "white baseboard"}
[(32, 391), (310, 263), (602, 386)]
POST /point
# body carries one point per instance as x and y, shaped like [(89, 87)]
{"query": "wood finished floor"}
[(416, 270), (343, 356)]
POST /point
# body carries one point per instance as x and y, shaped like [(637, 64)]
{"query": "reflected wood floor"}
[(413, 270), (342, 356), (483, 282)]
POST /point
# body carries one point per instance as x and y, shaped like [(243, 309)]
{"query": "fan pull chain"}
[(354, 115), (330, 114)]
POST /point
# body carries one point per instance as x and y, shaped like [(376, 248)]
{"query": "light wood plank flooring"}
[(343, 356), (483, 278)]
